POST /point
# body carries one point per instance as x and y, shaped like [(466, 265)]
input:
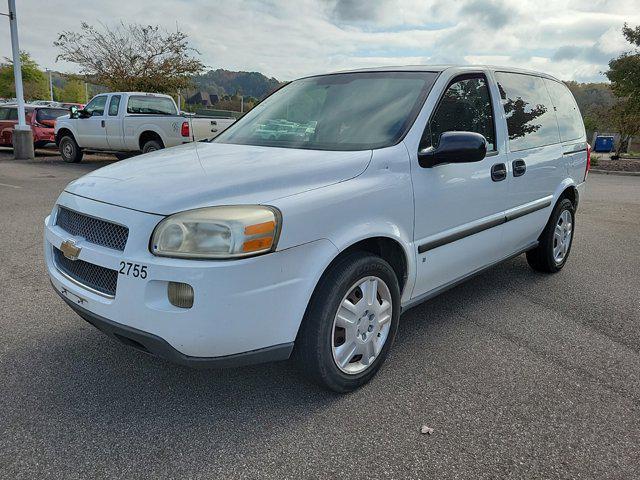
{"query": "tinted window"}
[(464, 107), (350, 111), (567, 112), (4, 113), (530, 117), (50, 113), (13, 114), (96, 106), (151, 105), (114, 104)]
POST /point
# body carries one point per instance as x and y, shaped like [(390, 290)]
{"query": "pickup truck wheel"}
[(350, 323), (69, 150), (152, 146), (555, 241)]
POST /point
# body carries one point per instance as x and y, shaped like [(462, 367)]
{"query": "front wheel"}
[(350, 323), (69, 150), (555, 241)]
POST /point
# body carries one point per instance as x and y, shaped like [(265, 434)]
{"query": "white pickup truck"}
[(130, 122)]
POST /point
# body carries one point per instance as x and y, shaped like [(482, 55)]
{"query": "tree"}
[(34, 81), (73, 91), (131, 57), (625, 119), (624, 71)]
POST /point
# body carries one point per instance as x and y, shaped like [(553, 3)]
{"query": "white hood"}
[(207, 174)]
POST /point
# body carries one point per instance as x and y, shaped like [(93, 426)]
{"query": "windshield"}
[(50, 113), (350, 111), (151, 105)]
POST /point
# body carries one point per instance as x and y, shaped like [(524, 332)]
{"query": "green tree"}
[(625, 119), (131, 57), (624, 71), (34, 81), (73, 91)]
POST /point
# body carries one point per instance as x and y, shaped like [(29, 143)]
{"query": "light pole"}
[(22, 135), (50, 85)]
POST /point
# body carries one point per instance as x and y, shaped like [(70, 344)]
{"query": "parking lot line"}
[(10, 186)]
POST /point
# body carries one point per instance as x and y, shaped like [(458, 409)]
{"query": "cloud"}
[(286, 39)]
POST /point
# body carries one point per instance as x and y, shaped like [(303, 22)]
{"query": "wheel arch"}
[(147, 135), (567, 189), (63, 132)]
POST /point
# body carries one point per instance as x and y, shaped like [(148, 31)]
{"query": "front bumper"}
[(250, 306)]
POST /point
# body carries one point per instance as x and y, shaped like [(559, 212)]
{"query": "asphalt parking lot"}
[(520, 375)]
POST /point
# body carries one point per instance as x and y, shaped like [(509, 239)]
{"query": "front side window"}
[(567, 112), (95, 108), (43, 114), (114, 104), (13, 114), (464, 107), (4, 113), (151, 105), (349, 111), (531, 120)]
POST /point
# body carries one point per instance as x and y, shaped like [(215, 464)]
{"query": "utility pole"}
[(50, 84), (22, 135)]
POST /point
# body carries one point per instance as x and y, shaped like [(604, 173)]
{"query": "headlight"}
[(218, 232)]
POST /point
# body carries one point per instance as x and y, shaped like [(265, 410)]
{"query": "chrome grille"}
[(101, 279), (92, 229)]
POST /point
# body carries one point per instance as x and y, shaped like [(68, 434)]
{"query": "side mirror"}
[(73, 111), (454, 147)]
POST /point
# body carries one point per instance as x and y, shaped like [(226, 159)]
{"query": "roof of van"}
[(441, 68)]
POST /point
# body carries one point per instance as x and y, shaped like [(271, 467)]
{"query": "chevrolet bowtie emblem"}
[(70, 250)]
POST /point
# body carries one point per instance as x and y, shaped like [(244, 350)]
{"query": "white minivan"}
[(313, 222)]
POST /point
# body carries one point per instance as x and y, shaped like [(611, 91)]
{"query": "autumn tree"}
[(34, 81), (131, 57), (624, 73)]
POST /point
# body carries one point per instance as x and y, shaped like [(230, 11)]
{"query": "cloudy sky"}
[(572, 39)]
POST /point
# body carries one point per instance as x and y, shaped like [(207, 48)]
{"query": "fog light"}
[(180, 294)]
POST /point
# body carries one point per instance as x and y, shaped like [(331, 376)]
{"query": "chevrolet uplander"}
[(307, 227)]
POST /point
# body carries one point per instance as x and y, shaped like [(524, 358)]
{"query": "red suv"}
[(42, 120)]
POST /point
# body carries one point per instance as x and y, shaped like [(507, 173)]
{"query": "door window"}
[(530, 117), (95, 107), (4, 113), (114, 104), (567, 112), (13, 114), (464, 107)]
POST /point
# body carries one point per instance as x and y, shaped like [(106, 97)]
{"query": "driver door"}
[(91, 126), (459, 207)]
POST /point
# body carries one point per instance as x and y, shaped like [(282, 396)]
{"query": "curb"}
[(615, 172)]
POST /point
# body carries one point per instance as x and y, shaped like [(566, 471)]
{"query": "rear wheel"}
[(350, 323), (69, 150), (152, 146), (555, 241)]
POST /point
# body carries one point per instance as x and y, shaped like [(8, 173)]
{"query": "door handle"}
[(498, 172), (102, 123), (519, 167)]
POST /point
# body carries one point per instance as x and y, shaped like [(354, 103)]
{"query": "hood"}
[(207, 174)]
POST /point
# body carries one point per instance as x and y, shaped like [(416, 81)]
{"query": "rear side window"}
[(4, 113), (49, 113), (464, 107), (531, 120), (569, 118), (13, 114), (114, 104), (151, 105)]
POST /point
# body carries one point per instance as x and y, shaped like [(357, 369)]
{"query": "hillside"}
[(225, 82)]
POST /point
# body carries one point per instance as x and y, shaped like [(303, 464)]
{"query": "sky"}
[(571, 39)]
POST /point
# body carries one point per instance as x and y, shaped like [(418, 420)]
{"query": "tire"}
[(317, 350), (553, 250), (152, 146), (69, 150)]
